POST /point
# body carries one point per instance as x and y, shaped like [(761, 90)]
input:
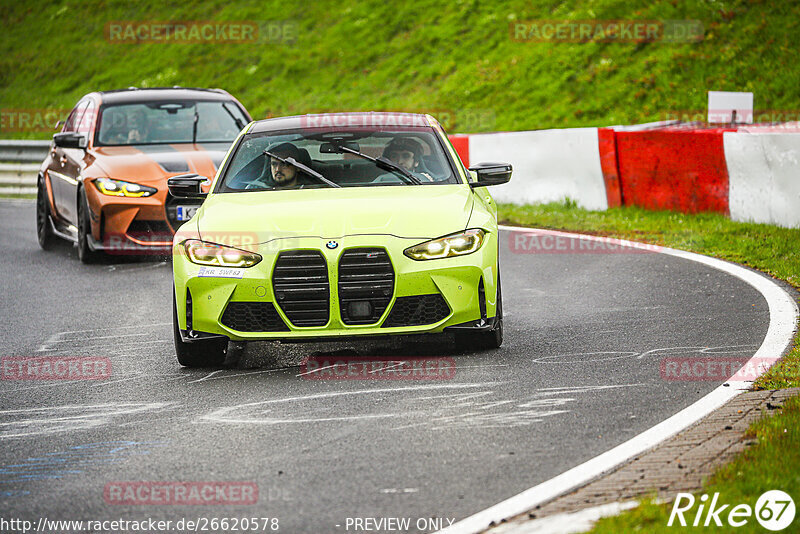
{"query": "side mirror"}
[(491, 174), (186, 186), (69, 140)]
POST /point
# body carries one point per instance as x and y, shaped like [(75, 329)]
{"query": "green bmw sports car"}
[(326, 227)]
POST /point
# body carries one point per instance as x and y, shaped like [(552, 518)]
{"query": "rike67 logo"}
[(774, 510)]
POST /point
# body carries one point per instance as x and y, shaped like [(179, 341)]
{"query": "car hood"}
[(421, 212), (154, 163)]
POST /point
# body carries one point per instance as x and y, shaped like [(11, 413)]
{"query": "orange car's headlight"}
[(120, 188)]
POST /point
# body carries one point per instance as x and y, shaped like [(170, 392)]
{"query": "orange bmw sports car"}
[(103, 185)]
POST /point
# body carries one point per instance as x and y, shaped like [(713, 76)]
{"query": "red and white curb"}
[(567, 523)]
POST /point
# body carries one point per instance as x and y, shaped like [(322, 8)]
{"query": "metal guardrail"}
[(23, 151), (21, 162)]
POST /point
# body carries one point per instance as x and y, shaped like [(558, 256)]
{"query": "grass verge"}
[(767, 248), (457, 60)]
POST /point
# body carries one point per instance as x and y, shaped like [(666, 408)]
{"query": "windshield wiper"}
[(194, 126), (385, 164), (237, 120), (308, 170)]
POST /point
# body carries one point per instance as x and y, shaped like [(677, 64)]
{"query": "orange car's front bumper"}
[(127, 225)]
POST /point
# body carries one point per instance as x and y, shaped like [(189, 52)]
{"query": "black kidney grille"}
[(302, 290), (417, 310), (365, 275), (253, 317)]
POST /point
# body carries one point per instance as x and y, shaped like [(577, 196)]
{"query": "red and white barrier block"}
[(549, 165), (764, 173), (749, 173)]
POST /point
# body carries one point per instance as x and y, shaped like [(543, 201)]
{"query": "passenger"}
[(407, 153)]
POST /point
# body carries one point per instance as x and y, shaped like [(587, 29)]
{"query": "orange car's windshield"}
[(154, 123)]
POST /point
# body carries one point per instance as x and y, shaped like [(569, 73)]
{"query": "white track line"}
[(783, 314)]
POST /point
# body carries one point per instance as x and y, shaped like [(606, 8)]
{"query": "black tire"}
[(85, 253), (210, 353), (493, 339), (44, 232)]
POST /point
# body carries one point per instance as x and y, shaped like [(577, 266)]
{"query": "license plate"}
[(186, 212), (220, 272)]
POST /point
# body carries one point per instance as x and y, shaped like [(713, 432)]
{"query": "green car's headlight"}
[(204, 253), (119, 188), (448, 246)]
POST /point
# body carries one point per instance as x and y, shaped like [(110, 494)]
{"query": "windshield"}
[(392, 155), (153, 123)]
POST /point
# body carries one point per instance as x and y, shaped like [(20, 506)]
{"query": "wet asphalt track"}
[(577, 375)]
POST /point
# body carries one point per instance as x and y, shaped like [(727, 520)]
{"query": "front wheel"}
[(85, 252), (43, 230), (492, 339), (201, 353)]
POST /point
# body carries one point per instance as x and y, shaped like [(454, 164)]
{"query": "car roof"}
[(359, 119), (133, 95)]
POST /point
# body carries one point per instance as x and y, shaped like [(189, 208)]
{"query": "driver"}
[(277, 174), (116, 127), (139, 127)]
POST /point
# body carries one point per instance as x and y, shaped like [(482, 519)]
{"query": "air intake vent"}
[(302, 290), (417, 310), (366, 285), (253, 317), (150, 231)]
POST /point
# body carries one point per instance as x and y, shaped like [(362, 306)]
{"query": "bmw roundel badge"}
[(332, 244)]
